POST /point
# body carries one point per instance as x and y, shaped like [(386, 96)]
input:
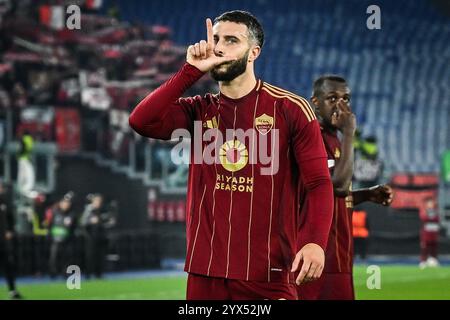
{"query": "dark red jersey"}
[(242, 211), (429, 231), (339, 253)]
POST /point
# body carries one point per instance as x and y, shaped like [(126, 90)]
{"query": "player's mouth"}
[(224, 64)]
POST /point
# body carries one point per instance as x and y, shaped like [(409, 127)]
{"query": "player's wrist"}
[(349, 132), (194, 68)]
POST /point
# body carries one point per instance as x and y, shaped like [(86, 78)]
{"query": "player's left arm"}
[(380, 194), (311, 158)]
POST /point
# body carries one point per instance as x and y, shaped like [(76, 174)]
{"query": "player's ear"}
[(315, 102), (254, 53)]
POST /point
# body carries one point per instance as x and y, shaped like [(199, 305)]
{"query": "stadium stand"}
[(399, 74)]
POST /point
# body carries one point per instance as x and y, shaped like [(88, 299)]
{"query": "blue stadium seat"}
[(399, 75)]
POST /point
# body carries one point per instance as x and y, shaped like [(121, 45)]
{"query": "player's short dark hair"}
[(253, 25), (318, 83)]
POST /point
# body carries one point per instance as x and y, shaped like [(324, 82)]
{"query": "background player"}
[(8, 254), (331, 99), (429, 234)]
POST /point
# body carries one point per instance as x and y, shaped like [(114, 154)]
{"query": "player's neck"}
[(326, 126), (238, 87)]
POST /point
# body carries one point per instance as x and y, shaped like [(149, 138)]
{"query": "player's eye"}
[(346, 99), (332, 98)]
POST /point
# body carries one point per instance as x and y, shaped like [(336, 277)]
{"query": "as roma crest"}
[(264, 123), (337, 153)]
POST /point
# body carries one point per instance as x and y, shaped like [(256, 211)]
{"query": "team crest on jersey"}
[(264, 123), (337, 153)]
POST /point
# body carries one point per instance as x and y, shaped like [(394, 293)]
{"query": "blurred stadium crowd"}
[(70, 93)]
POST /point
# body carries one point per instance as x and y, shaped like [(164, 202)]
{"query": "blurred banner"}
[(67, 127), (411, 190), (37, 121), (52, 16)]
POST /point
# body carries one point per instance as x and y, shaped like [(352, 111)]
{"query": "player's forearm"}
[(343, 172), (154, 108), (360, 196), (319, 193)]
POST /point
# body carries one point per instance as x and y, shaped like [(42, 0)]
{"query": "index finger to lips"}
[(209, 33)]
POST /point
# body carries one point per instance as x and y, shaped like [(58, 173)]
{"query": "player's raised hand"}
[(201, 55), (313, 258), (344, 119), (381, 194)]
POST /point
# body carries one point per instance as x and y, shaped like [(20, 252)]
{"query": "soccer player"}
[(242, 220), (429, 234), (8, 246), (331, 100)]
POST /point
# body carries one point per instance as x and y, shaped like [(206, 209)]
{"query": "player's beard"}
[(234, 69)]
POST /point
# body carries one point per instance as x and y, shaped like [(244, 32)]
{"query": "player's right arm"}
[(311, 157), (345, 121), (380, 194), (162, 111)]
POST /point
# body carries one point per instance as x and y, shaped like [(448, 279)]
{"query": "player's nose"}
[(218, 50)]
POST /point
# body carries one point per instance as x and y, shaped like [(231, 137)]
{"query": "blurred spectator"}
[(360, 233), (25, 176), (366, 148), (114, 11), (368, 168), (5, 102), (7, 239), (429, 234), (94, 222), (445, 167), (369, 148), (19, 96), (60, 220)]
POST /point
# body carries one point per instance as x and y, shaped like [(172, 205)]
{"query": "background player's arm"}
[(345, 121), (312, 160), (381, 194), (162, 111)]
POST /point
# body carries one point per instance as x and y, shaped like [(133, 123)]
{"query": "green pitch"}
[(397, 282)]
